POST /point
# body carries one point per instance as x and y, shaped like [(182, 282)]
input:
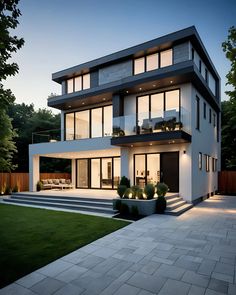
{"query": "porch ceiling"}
[(84, 154)]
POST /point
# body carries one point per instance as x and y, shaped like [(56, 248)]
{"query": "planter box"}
[(145, 207)]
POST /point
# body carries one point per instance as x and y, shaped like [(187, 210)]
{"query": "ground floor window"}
[(98, 173)]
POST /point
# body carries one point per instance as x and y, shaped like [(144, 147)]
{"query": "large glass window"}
[(116, 172), (82, 173), (143, 109), (95, 173), (157, 105), (107, 121), (152, 62), (172, 100), (139, 65), (106, 172), (96, 117), (82, 124), (166, 58), (69, 132), (70, 85)]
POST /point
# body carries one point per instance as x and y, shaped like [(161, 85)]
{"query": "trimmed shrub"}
[(162, 189), (134, 211), (121, 190), (117, 205), (124, 209), (161, 205), (39, 186), (129, 194), (15, 189), (7, 190), (135, 189), (125, 181), (149, 191)]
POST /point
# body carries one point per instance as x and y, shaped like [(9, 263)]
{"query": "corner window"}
[(206, 76), (86, 81), (200, 161)]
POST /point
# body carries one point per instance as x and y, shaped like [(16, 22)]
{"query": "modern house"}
[(150, 112)]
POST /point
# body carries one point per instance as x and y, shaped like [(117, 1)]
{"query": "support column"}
[(125, 162), (34, 173), (73, 172)]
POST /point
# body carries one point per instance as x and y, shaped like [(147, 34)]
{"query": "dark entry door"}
[(170, 170)]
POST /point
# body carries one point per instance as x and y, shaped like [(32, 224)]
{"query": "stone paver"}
[(193, 254)]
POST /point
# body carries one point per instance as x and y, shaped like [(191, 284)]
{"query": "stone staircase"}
[(176, 205), (90, 205)]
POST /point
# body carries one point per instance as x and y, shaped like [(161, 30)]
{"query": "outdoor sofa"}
[(56, 183)]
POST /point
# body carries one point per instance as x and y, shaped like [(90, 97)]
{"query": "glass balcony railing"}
[(151, 122)]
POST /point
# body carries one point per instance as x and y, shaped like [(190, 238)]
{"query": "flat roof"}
[(160, 43)]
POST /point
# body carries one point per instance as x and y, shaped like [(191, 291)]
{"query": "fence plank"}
[(22, 179), (227, 182)]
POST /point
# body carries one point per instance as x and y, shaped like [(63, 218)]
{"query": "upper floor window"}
[(210, 115), (206, 75), (153, 61), (166, 58), (204, 110), (78, 83), (207, 162), (200, 161)]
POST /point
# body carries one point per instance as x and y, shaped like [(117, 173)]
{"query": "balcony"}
[(159, 127)]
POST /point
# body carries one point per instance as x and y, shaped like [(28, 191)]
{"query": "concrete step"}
[(173, 201), (175, 205), (172, 196), (180, 210), (63, 206), (62, 196), (62, 200)]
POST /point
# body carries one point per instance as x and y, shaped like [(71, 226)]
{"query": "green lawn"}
[(31, 238)]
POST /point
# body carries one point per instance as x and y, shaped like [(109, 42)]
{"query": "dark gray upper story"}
[(112, 76)]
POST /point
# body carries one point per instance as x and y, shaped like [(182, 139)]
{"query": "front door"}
[(170, 170)]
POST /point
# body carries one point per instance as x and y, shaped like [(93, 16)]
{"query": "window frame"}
[(82, 83), (200, 161), (197, 113)]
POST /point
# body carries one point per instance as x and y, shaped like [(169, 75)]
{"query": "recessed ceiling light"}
[(69, 107), (171, 82), (150, 143), (82, 102), (173, 141), (154, 85), (127, 91), (104, 98), (131, 145), (140, 88)]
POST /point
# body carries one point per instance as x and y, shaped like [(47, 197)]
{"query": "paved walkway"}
[(191, 254)]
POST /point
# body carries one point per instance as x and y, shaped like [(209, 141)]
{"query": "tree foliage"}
[(26, 120), (9, 14), (229, 107)]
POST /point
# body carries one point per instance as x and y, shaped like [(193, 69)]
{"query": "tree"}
[(228, 122), (9, 14)]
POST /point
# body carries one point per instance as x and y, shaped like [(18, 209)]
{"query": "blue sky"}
[(59, 34)]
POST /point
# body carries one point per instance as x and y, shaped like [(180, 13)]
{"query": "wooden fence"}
[(22, 179), (227, 182)]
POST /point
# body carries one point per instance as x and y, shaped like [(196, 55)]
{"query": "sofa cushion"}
[(50, 181), (62, 180), (44, 181), (55, 181), (68, 181)]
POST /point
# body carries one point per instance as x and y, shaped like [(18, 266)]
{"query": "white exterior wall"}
[(204, 141)]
